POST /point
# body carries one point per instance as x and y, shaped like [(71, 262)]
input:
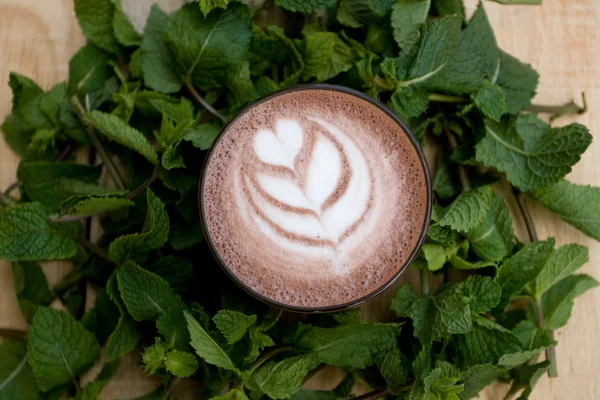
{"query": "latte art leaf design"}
[(309, 186)]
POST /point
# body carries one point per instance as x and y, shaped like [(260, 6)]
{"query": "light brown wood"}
[(562, 41)]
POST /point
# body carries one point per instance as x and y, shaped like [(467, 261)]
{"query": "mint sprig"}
[(150, 105)]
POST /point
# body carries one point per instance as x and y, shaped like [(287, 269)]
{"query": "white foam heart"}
[(282, 147)]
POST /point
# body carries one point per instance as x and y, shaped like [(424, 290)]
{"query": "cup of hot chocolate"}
[(315, 198)]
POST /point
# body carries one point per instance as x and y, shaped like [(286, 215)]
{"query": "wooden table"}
[(562, 41)]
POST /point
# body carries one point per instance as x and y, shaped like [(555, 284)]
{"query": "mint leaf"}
[(208, 5), (406, 18), (482, 291), (409, 101), (26, 234), (476, 378), (258, 342), (476, 58), (541, 341), (123, 29), (96, 21), (442, 382), (89, 205), (89, 70), (207, 48), (172, 325), (420, 310), (154, 357), (305, 6), (26, 103), (155, 233), (51, 101), (452, 315), (176, 111), (490, 100), (485, 345), (176, 271), (146, 295), (436, 255), (493, 239), (233, 324), (233, 394), (60, 349), (40, 179), (206, 347), (181, 363), (202, 136), (125, 336), (16, 377), (116, 129), (445, 185), (446, 7), (15, 135), (468, 210), (32, 288), (532, 154), (528, 375), (356, 346), (557, 302), (563, 262), (576, 204), (355, 13), (438, 42), (281, 379), (157, 63), (183, 237), (394, 367), (518, 82), (325, 56), (522, 268)]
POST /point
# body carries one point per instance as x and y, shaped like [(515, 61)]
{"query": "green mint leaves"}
[(532, 154), (27, 235), (59, 348), (139, 111), (153, 236)]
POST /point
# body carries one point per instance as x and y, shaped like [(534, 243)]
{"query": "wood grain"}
[(562, 41)]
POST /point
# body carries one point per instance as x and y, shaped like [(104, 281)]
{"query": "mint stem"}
[(446, 98), (65, 152), (171, 387), (10, 188), (465, 182), (512, 392), (204, 103), (537, 307), (106, 158), (565, 109), (142, 188), (265, 357), (382, 84), (13, 333), (100, 252)]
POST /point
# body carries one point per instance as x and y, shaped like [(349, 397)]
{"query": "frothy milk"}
[(314, 198)]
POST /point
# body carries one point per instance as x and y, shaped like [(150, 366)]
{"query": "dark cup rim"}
[(337, 307)]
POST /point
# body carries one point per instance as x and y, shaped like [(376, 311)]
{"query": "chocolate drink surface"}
[(315, 198)]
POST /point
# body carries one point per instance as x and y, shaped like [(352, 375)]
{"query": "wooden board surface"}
[(562, 41)]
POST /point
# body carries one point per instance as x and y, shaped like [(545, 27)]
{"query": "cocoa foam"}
[(314, 198)]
